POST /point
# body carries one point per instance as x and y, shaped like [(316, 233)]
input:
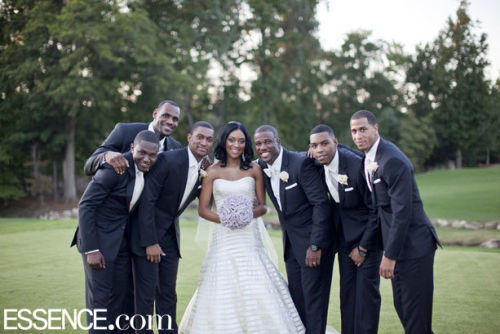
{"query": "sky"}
[(408, 22)]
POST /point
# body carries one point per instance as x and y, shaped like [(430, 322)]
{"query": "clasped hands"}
[(356, 257)]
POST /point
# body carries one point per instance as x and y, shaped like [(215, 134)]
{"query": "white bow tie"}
[(270, 172)]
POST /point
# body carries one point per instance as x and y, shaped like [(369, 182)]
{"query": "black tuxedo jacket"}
[(305, 215), (103, 212), (119, 140), (406, 230), (356, 212), (162, 197)]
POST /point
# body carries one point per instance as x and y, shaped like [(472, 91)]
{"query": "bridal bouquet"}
[(236, 212)]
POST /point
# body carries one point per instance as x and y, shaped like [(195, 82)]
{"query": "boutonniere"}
[(372, 167), (342, 179), (203, 173), (284, 176)]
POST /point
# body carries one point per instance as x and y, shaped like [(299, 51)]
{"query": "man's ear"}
[(132, 148), (189, 137), (154, 113), (278, 140), (376, 127)]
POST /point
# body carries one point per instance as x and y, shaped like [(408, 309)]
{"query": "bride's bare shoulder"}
[(214, 170)]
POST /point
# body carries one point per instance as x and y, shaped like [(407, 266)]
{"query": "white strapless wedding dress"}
[(240, 289)]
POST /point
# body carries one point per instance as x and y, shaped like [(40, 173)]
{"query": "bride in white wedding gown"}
[(240, 289)]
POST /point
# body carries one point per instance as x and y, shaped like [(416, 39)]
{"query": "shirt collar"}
[(152, 129), (192, 160), (333, 166), (137, 170), (373, 151), (277, 163)]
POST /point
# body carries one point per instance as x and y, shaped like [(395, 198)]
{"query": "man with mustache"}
[(172, 185), (357, 231), (105, 212), (408, 237), (300, 198), (165, 121)]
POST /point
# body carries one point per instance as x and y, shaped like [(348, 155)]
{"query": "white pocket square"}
[(291, 186), (377, 181), (349, 189), (199, 187)]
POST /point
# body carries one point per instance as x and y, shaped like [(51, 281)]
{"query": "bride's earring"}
[(243, 157)]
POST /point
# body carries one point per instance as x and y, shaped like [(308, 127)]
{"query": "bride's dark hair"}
[(220, 149)]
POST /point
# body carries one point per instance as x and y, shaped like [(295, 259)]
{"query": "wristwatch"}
[(361, 252), (314, 248)]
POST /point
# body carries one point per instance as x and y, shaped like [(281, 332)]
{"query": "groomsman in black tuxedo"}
[(300, 198), (165, 121), (409, 239), (105, 211), (357, 231), (173, 183)]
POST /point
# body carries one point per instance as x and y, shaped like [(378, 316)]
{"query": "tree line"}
[(71, 69)]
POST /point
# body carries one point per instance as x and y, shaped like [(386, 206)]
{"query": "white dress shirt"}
[(275, 177), (369, 158), (152, 129), (331, 174), (138, 187), (193, 174)]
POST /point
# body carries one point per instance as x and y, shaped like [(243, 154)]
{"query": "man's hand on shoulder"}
[(96, 260), (117, 161), (205, 162)]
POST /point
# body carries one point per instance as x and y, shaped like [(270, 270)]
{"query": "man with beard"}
[(357, 233), (165, 121), (300, 198), (172, 185), (105, 211), (408, 237)]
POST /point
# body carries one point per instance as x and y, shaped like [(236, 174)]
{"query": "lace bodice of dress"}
[(223, 188)]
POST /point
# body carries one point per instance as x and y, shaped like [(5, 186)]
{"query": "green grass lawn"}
[(471, 194), (39, 270)]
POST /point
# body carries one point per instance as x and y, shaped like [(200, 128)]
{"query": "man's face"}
[(267, 146), (363, 133), (144, 154), (200, 141), (323, 147), (166, 120)]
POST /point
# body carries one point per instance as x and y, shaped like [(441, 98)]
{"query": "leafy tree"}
[(66, 72), (418, 138), (360, 76), (450, 83)]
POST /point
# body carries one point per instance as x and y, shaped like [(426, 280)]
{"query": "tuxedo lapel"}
[(191, 195), (342, 170), (284, 167), (267, 185), (321, 171), (380, 149), (378, 155), (183, 175)]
